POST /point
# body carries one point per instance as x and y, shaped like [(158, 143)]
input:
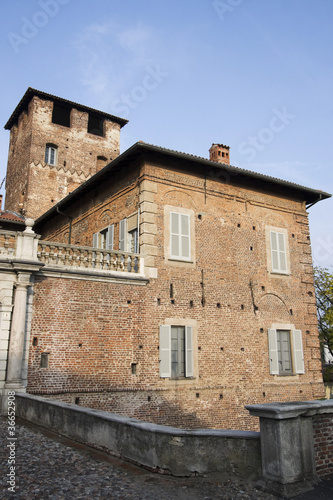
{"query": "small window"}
[(44, 360), (285, 352), (278, 252), (180, 236), (104, 239), (61, 115), (95, 125), (101, 162), (176, 351), (133, 241), (51, 154), (129, 234)]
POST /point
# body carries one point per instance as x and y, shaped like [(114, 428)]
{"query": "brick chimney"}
[(219, 153)]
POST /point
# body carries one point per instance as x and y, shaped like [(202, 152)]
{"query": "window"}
[(285, 352), (278, 252), (104, 239), (133, 241), (101, 162), (51, 154), (61, 115), (129, 234), (95, 125), (44, 360), (180, 236), (176, 351)]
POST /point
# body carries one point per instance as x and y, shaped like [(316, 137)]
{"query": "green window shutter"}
[(298, 351), (95, 240), (165, 351), (189, 351), (122, 235), (110, 237), (273, 352)]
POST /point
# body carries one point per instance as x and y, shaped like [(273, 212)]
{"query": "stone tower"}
[(219, 153), (55, 145)]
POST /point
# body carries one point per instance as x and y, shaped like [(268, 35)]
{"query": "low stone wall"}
[(157, 447)]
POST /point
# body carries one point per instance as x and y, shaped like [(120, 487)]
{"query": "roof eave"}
[(30, 93), (140, 146)]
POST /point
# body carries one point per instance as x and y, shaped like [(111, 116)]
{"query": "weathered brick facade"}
[(226, 292), (103, 337)]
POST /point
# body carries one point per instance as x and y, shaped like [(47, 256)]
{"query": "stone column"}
[(287, 446), (17, 333)]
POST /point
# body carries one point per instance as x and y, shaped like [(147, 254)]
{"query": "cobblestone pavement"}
[(50, 467)]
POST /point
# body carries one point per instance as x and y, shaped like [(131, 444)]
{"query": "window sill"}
[(279, 273), (174, 259), (175, 379)]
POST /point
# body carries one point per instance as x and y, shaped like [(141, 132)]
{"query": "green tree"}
[(324, 297)]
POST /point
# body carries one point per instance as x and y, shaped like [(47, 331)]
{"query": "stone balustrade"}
[(7, 243), (71, 256), (61, 255)]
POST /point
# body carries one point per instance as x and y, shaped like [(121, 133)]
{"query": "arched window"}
[(51, 154)]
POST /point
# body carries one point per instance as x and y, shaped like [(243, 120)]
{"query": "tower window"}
[(61, 115), (51, 154), (101, 162), (95, 125), (44, 360)]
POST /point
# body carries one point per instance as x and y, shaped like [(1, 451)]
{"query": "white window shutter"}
[(174, 235), (278, 252), (274, 251), (189, 351), (298, 351), (110, 237), (180, 236), (273, 352), (282, 252), (165, 351), (95, 240), (122, 235), (185, 236)]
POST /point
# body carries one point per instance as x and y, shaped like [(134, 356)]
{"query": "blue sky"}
[(256, 75)]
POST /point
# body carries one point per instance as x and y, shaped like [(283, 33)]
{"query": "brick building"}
[(185, 294)]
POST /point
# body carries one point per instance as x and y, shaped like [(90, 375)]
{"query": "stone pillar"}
[(287, 446), (17, 333), (147, 226)]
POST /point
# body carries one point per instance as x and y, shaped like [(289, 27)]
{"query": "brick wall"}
[(323, 442), (226, 293)]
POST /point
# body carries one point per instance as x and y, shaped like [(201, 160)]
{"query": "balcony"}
[(72, 256), (26, 247)]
